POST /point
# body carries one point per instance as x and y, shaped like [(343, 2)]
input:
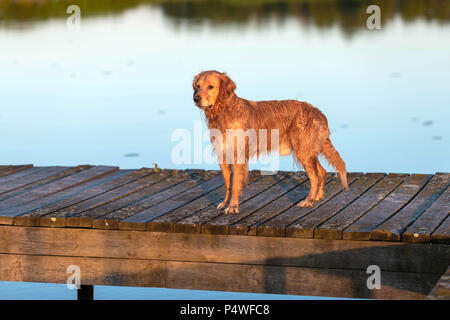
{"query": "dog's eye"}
[(210, 87)]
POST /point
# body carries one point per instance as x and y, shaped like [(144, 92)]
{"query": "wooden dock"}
[(161, 228)]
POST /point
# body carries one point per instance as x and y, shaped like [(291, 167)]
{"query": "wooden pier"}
[(161, 228)]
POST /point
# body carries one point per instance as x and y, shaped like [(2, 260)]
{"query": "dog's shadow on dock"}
[(325, 275)]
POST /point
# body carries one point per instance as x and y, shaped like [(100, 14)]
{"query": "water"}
[(46, 291), (114, 91)]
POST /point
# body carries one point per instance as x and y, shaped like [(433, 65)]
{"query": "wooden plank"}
[(332, 228), (165, 222), (36, 184), (314, 253), (430, 220), (30, 213), (139, 220), (193, 223), (115, 190), (109, 215), (441, 290), (86, 218), (222, 223), (93, 271), (249, 224), (392, 229), (304, 227), (8, 207), (213, 276), (78, 194), (442, 233), (44, 174), (361, 229), (19, 174), (158, 193), (276, 227), (4, 168), (13, 169), (295, 280)]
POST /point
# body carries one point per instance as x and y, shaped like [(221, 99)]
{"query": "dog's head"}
[(211, 88)]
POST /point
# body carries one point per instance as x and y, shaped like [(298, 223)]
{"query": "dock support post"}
[(86, 292)]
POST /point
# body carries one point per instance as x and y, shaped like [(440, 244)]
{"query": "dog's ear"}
[(227, 87), (195, 81)]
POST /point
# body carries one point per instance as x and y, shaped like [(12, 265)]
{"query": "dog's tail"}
[(336, 161)]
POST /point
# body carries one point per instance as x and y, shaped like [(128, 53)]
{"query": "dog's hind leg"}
[(322, 175), (310, 166)]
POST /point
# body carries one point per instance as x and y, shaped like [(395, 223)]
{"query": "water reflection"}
[(349, 15), (114, 91)]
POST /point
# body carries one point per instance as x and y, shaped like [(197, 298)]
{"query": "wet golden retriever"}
[(301, 128)]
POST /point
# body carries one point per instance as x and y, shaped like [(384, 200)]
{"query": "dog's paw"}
[(305, 203), (232, 210), (319, 197), (222, 205)]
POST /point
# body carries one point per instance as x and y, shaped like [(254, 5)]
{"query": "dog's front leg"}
[(240, 172), (226, 172)]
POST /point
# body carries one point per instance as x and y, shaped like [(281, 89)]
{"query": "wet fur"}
[(303, 130)]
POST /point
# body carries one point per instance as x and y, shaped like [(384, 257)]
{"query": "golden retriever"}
[(301, 128)]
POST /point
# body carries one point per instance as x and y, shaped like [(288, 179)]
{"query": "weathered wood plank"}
[(85, 218), (133, 182), (165, 222), (13, 169), (84, 203), (249, 224), (40, 174), (30, 213), (109, 217), (295, 280), (392, 229), (442, 233), (139, 220), (441, 290), (314, 253), (276, 226), (214, 276), (19, 174), (222, 223), (332, 228), (304, 227), (361, 229), (193, 223), (424, 226), (36, 184), (94, 271), (4, 168), (8, 207)]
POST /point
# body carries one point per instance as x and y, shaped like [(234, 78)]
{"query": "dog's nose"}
[(196, 99)]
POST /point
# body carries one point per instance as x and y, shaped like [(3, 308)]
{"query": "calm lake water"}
[(114, 90)]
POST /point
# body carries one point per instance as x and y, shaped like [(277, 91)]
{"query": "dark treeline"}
[(350, 15)]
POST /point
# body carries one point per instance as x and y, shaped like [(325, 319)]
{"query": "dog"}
[(302, 130)]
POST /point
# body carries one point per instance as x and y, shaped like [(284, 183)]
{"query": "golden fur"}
[(302, 129)]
